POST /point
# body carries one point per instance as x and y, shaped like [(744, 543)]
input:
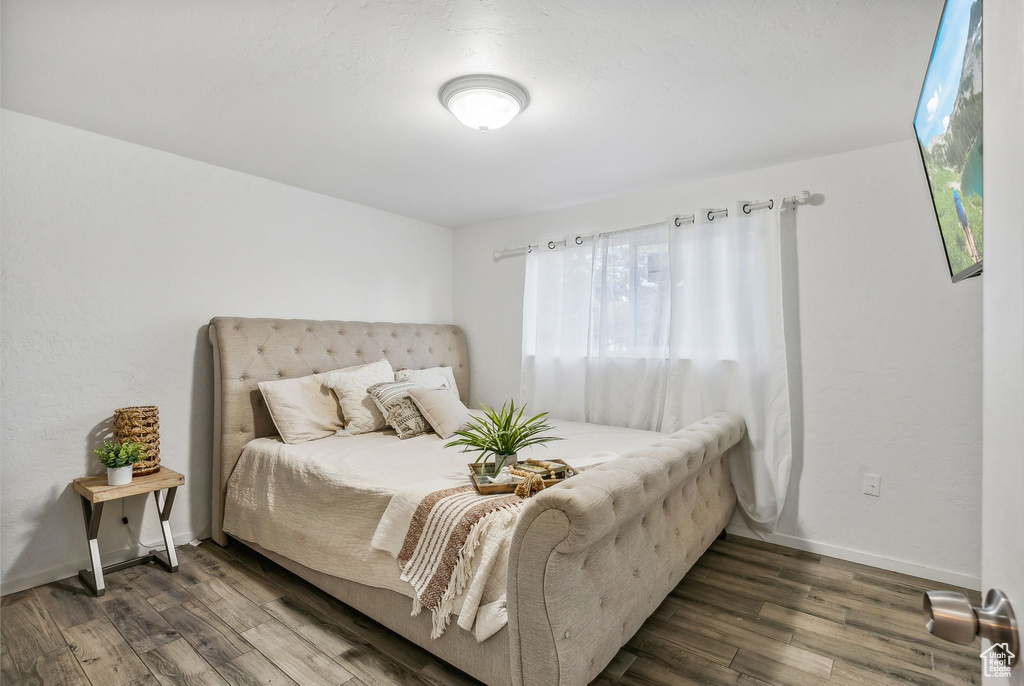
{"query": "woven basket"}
[(141, 424)]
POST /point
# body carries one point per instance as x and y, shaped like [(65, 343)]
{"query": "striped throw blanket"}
[(435, 535)]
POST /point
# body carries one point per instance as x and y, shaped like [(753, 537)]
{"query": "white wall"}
[(884, 350), (1003, 507), (114, 258)]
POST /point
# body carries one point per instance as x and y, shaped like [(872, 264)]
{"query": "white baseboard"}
[(71, 569), (942, 575)]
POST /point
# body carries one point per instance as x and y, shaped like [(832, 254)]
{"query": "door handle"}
[(951, 618)]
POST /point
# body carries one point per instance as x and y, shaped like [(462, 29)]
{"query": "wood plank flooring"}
[(748, 613)]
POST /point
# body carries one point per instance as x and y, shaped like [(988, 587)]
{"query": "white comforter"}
[(319, 503)]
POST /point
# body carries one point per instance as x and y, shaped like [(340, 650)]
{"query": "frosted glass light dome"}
[(484, 102)]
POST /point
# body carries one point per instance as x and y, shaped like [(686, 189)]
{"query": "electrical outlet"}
[(872, 485)]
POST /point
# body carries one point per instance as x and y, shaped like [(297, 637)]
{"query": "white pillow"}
[(434, 377), (303, 409), (357, 407), (443, 411)]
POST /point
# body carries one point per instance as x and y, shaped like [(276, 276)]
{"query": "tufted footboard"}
[(592, 559)]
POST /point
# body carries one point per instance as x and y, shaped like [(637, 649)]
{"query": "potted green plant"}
[(118, 458), (501, 434)]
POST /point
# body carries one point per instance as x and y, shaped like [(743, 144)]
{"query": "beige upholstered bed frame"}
[(589, 560)]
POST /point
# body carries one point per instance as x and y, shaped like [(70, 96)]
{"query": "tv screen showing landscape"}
[(948, 126)]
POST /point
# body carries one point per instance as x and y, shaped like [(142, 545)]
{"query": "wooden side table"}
[(95, 492)]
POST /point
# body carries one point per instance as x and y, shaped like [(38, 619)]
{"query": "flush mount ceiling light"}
[(484, 102)]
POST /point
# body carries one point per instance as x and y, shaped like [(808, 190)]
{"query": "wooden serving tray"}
[(475, 469)]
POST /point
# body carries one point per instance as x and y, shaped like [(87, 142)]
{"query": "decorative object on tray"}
[(529, 484), (553, 469), (500, 434), (523, 483), (140, 425), (119, 458)]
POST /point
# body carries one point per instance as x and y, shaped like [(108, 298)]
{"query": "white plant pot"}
[(490, 478), (119, 476)]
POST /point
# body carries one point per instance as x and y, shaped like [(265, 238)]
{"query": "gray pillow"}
[(441, 408), (393, 401)]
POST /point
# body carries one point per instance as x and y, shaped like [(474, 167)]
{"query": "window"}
[(631, 293)]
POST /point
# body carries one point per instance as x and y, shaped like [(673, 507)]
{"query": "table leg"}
[(164, 502), (93, 578)]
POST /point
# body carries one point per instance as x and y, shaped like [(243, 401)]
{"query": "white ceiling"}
[(340, 97)]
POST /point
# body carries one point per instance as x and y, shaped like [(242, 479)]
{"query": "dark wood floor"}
[(748, 613)]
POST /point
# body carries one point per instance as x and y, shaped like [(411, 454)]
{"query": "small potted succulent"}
[(501, 434), (118, 458)]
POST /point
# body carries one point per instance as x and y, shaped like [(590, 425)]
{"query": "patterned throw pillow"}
[(393, 401)]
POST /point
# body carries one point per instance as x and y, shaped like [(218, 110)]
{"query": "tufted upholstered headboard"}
[(247, 351)]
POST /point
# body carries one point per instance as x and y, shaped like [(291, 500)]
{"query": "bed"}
[(588, 561)]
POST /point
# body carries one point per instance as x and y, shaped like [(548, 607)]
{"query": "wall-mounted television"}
[(948, 127)]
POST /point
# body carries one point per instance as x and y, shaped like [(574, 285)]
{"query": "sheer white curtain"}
[(659, 327), (556, 321), (627, 364), (728, 348)]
